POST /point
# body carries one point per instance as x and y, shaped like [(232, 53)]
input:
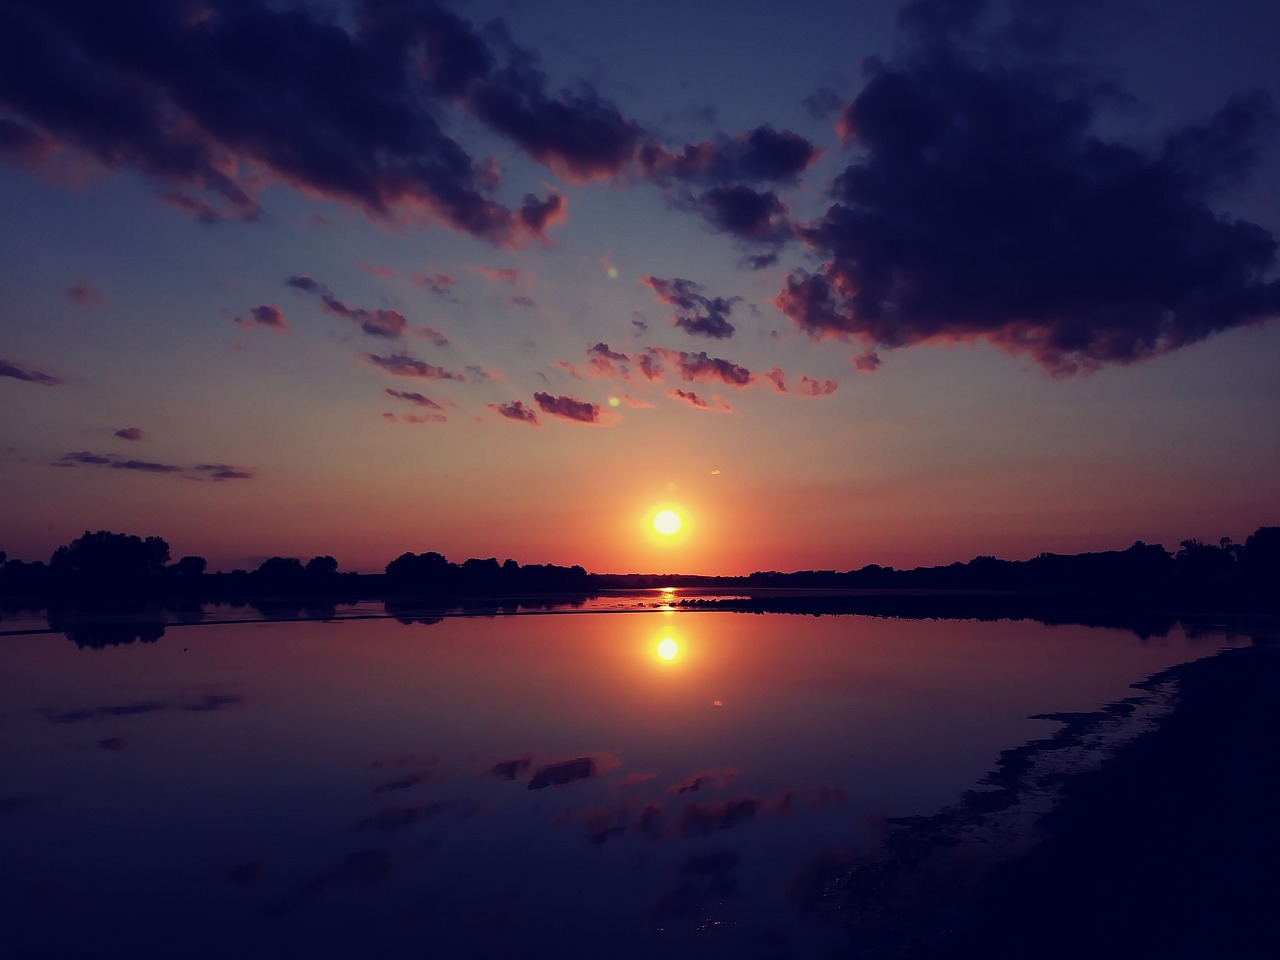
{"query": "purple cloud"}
[(403, 365), (130, 433), (986, 203), (342, 104), (266, 315), (413, 397), (516, 410), (568, 408), (694, 313), (8, 369)]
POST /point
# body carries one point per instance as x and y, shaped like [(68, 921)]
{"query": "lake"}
[(609, 782)]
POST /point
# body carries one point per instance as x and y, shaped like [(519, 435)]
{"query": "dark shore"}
[(1167, 846)]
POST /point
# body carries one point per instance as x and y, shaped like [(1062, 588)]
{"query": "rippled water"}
[(582, 785)]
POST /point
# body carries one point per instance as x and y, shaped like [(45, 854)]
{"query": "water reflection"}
[(357, 787)]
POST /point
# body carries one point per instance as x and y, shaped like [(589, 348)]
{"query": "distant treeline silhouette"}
[(111, 565), (106, 565)]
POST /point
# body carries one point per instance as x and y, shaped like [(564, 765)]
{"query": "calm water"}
[(487, 787)]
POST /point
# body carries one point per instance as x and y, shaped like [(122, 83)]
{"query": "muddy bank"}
[(1150, 828)]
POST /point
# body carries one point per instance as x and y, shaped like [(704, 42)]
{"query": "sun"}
[(668, 649), (667, 522)]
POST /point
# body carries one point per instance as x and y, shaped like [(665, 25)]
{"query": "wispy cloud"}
[(403, 365), (200, 471), (8, 369)]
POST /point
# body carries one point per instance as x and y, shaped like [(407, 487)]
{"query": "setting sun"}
[(668, 648), (667, 522)]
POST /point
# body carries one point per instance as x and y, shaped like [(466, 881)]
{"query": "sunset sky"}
[(839, 282)]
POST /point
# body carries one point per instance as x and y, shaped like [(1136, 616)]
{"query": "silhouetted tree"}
[(1198, 561), (109, 559), (1261, 552), (421, 571), (189, 567), (321, 567)]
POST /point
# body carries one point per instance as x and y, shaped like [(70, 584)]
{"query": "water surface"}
[(624, 785)]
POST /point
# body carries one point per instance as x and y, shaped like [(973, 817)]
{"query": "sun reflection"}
[(668, 649)]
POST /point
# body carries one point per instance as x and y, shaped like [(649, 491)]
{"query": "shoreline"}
[(1150, 827)]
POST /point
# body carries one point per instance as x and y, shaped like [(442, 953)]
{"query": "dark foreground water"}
[(632, 784)]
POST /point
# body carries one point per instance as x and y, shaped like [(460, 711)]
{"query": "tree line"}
[(106, 564)]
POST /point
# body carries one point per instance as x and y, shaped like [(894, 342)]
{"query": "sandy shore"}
[(1151, 828)]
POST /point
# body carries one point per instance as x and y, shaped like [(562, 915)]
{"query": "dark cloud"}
[(225, 471), (403, 365), (727, 172), (130, 433), (694, 313), (516, 410), (84, 456), (537, 214), (577, 134), (689, 397), (748, 214), (700, 367), (8, 369), (207, 98), (413, 397), (82, 294), (568, 408), (390, 324), (266, 315), (763, 155), (145, 466), (212, 471), (986, 203)]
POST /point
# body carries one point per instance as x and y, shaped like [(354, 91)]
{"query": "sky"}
[(838, 282)]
